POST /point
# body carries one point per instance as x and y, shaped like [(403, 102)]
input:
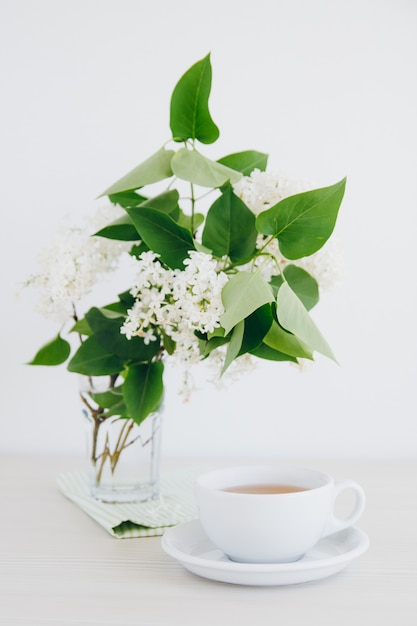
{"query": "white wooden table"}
[(59, 568)]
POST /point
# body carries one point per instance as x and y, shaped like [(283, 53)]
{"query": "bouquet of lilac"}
[(234, 281)]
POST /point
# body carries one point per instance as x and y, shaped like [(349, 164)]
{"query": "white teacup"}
[(244, 513)]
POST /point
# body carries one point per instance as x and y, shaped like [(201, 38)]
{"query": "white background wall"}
[(328, 88)]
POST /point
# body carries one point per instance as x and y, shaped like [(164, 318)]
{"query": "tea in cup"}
[(271, 514)]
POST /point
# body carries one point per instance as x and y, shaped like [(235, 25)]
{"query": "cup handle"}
[(334, 524)]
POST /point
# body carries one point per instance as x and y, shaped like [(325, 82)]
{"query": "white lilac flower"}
[(241, 366), (176, 302), (327, 265), (261, 190), (75, 262)]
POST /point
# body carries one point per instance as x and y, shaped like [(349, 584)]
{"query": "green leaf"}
[(303, 222), (200, 248), (265, 352), (163, 235), (208, 343), (301, 282), (157, 167), (143, 389), (167, 201), (109, 398), (242, 295), (293, 316), (81, 327), (106, 324), (192, 166), (189, 115), (136, 250), (112, 401), (168, 343), (191, 224), (256, 327), (245, 162), (93, 359), (126, 199), (121, 229), (54, 352), (125, 302), (234, 346), (287, 343), (126, 298), (230, 228)]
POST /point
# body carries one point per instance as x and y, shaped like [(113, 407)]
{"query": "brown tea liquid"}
[(265, 489)]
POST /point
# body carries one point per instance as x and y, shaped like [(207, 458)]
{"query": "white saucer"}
[(189, 545)]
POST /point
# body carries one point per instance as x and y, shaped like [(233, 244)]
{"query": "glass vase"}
[(123, 456)]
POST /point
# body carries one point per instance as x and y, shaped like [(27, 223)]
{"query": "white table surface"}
[(59, 568)]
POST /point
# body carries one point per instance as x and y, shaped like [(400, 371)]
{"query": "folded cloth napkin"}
[(145, 519)]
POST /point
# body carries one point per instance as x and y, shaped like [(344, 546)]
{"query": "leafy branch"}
[(267, 318)]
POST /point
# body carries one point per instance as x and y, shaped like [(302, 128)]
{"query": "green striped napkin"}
[(146, 519)]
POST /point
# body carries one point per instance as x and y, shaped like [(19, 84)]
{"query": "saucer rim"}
[(233, 566)]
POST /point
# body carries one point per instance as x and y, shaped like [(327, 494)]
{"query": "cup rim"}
[(220, 479)]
